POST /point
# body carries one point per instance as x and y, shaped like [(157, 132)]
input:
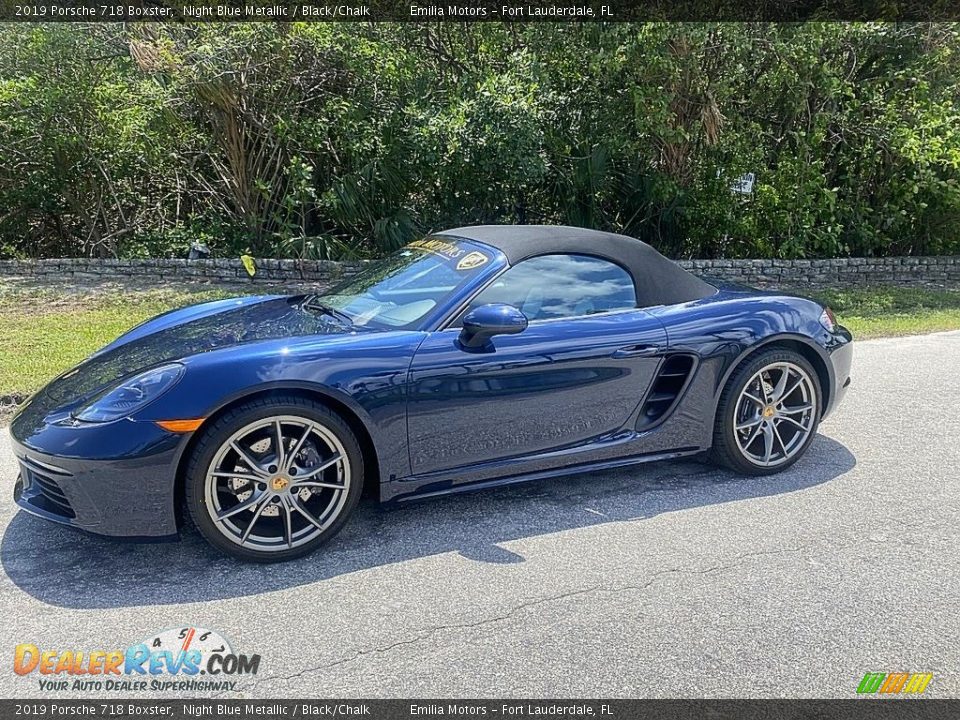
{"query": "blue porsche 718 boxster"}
[(473, 357)]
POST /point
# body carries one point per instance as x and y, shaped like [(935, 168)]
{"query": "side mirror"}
[(484, 322)]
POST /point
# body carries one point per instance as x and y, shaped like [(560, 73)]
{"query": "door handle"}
[(631, 351)]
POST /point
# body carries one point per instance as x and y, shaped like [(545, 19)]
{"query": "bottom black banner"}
[(854, 709)]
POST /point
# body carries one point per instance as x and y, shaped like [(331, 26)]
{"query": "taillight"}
[(828, 320)]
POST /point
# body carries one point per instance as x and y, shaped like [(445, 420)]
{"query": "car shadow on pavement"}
[(63, 567)]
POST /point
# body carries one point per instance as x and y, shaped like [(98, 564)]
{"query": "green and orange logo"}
[(894, 683)]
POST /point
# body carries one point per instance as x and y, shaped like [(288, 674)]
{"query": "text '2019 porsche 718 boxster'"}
[(473, 357)]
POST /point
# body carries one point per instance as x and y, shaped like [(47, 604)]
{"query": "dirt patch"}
[(8, 407)]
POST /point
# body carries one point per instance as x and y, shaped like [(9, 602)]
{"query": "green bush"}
[(346, 140)]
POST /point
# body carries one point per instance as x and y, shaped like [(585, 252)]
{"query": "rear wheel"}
[(274, 479), (768, 413)]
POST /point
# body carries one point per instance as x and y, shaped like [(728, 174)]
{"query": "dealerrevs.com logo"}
[(188, 659)]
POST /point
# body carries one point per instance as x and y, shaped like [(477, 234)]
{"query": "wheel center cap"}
[(279, 483), (769, 411)]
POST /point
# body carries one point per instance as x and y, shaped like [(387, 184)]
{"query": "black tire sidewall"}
[(221, 430), (725, 442)]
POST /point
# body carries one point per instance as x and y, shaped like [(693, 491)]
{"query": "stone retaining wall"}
[(834, 272), (764, 273), (78, 271)]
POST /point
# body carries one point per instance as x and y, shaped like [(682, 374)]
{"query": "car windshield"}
[(400, 290)]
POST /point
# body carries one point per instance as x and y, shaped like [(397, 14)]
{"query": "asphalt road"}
[(665, 580)]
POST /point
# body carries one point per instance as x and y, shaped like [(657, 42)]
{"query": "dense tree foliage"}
[(341, 140)]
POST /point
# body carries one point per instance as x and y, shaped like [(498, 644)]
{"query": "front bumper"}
[(126, 492)]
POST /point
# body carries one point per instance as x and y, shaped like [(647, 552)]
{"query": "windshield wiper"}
[(314, 304)]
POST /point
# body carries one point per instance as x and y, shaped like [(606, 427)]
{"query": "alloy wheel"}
[(775, 414), (277, 483)]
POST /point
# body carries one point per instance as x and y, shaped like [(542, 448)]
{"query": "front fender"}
[(365, 374)]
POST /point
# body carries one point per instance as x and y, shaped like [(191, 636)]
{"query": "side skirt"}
[(448, 488)]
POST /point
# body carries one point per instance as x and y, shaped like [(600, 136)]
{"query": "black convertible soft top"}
[(658, 280)]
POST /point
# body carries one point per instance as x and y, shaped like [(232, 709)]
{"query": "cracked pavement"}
[(664, 580)]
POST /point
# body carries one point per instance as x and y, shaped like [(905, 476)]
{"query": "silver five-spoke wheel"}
[(775, 414)]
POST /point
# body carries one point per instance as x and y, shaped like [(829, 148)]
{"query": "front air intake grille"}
[(49, 496), (667, 388)]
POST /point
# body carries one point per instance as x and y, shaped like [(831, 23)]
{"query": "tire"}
[(252, 496), (750, 415)]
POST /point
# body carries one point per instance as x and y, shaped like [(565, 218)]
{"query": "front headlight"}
[(131, 395)]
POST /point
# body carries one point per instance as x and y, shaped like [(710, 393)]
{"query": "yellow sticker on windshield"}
[(471, 261), (437, 247)]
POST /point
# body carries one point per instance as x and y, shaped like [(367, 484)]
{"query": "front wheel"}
[(274, 478), (768, 413)]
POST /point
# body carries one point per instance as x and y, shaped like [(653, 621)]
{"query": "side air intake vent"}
[(667, 387)]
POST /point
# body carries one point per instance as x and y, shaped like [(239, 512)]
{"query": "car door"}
[(576, 374)]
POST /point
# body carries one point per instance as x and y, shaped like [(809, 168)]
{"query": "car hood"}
[(178, 335)]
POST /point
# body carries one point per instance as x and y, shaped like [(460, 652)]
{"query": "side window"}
[(558, 286)]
